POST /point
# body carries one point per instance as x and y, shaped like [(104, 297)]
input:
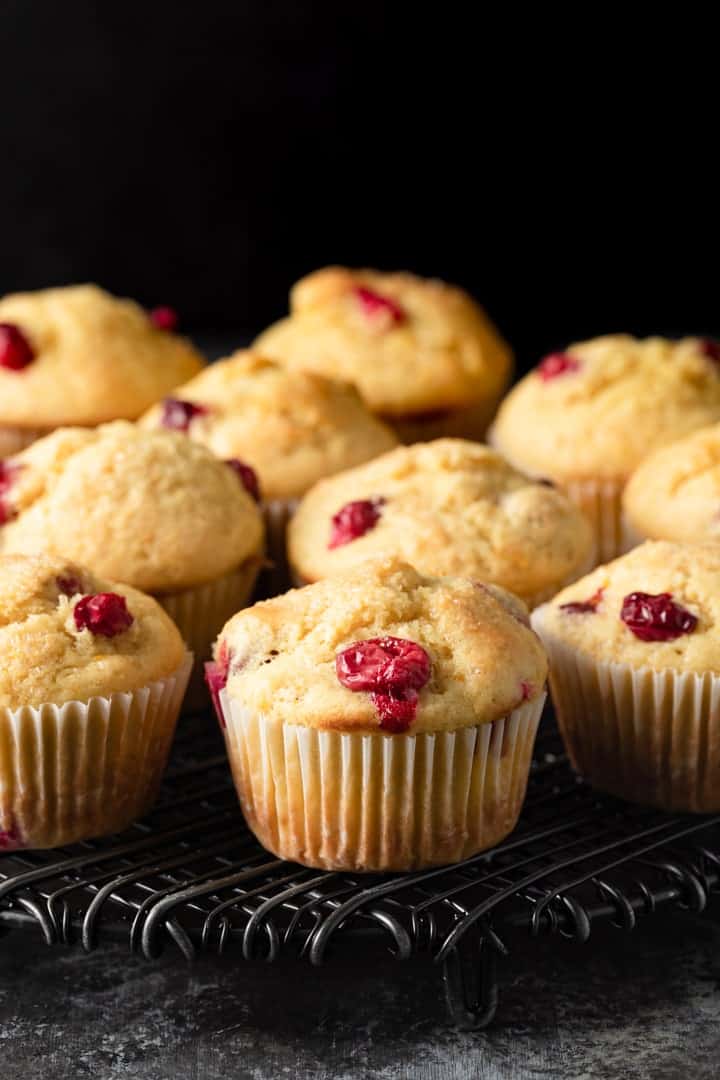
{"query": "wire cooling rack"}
[(191, 874)]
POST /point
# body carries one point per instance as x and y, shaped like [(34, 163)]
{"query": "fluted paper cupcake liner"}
[(379, 802), (15, 439), (601, 502), (82, 769), (648, 736), (201, 613), (277, 513)]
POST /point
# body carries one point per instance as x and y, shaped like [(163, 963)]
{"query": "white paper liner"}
[(277, 513), (379, 802), (648, 736), (601, 502), (201, 613), (15, 439), (82, 769)]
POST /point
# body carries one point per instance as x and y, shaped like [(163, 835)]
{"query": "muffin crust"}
[(46, 658), (440, 353), (447, 507), (293, 427), (96, 358), (152, 508), (484, 660)]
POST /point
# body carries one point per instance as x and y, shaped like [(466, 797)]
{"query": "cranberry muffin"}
[(447, 507), (150, 508), (587, 417), (675, 493), (380, 720), (91, 682), (634, 654), (292, 428), (77, 355), (423, 354)]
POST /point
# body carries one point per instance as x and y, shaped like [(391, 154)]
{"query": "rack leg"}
[(471, 987)]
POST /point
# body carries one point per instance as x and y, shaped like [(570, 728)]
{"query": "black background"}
[(207, 154)]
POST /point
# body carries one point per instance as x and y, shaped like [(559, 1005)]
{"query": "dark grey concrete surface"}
[(645, 1005)]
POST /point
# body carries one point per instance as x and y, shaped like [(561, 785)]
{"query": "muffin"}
[(91, 682), (380, 720), (422, 353), (634, 653), (586, 418), (675, 493), (77, 355), (150, 508), (449, 507), (291, 427)]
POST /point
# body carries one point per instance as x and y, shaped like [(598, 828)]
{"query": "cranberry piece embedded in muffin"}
[(248, 476), (353, 520), (16, 352), (105, 614), (374, 304), (216, 677), (584, 607), (178, 415), (555, 364), (711, 349), (656, 617), (392, 670), (7, 476), (10, 839), (164, 318)]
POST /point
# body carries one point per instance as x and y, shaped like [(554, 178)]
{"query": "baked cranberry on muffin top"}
[(420, 351), (291, 427), (656, 607), (448, 507)]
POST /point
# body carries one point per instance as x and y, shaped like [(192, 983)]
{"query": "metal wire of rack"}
[(191, 873)]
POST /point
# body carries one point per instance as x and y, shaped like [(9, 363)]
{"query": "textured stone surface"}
[(639, 1006)]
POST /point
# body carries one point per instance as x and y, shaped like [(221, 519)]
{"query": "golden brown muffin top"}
[(152, 508), (656, 607), (448, 507), (596, 410), (410, 344), (66, 635), (675, 493), (465, 651), (94, 358), (292, 427)]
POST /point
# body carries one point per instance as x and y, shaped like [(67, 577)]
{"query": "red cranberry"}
[(16, 352), (526, 690), (178, 415), (248, 476), (216, 677), (164, 318), (105, 614), (555, 364), (396, 711), (584, 607), (656, 617), (353, 520), (710, 348), (10, 839), (374, 304), (69, 584), (8, 473), (392, 670)]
